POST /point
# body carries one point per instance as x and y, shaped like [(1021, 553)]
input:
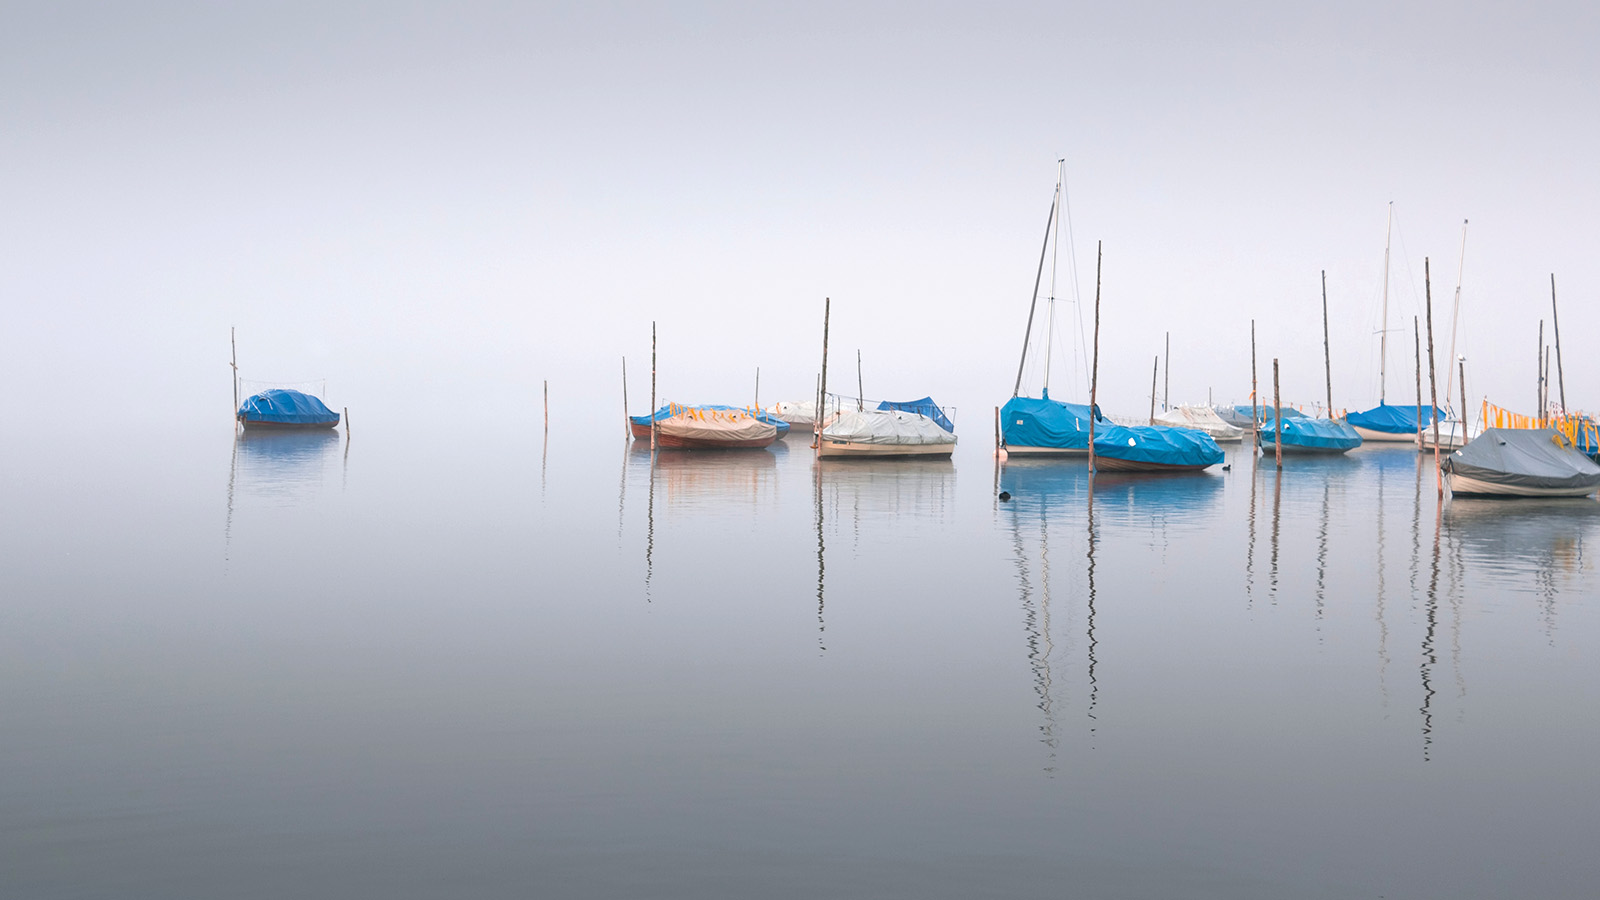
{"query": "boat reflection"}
[(1042, 486), (1531, 545), (282, 466), (706, 478), (894, 492)]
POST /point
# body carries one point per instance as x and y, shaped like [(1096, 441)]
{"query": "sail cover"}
[(285, 407), (1393, 419), (1042, 422), (1158, 444), (878, 426), (1313, 434), (924, 407), (1524, 457), (1200, 418)]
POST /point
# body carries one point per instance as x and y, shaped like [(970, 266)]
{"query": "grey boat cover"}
[(1525, 457)]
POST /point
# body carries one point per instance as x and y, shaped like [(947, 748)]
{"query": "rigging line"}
[(1055, 252), (1027, 334), (1072, 263)]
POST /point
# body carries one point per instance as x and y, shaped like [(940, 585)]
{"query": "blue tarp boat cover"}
[(1392, 419), (285, 407), (1159, 444), (923, 407), (1042, 422), (1329, 435), (669, 410)]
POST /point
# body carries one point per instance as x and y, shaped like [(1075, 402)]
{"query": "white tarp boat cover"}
[(802, 413), (1200, 418), (716, 425), (883, 426)]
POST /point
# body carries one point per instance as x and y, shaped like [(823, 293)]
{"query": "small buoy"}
[(1004, 496)]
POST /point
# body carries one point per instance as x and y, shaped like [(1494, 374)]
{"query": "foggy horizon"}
[(472, 200)]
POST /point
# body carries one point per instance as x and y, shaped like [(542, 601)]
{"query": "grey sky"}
[(474, 197)]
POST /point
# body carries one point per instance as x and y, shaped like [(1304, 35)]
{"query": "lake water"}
[(472, 664)]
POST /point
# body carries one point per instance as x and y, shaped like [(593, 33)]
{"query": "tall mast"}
[(1055, 251), (1327, 356), (1383, 336), (1455, 315), (1555, 320), (1055, 201)]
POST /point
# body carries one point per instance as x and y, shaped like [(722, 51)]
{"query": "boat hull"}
[(1112, 464), (1073, 452), (1467, 486), (1386, 437), (258, 425), (665, 441), (857, 450)]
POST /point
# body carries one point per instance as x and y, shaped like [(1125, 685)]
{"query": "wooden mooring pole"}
[(1094, 373), (652, 387), (1433, 377), (1277, 415)]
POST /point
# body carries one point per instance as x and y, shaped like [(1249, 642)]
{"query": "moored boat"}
[(1203, 419), (1521, 462), (704, 428), (1039, 426), (1392, 424), (1309, 436), (884, 432), (283, 409), (1153, 448)]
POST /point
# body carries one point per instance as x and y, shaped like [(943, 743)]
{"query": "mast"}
[(1153, 370), (234, 345), (1455, 313), (1055, 251), (861, 392), (1383, 336), (1555, 320), (1166, 384), (1538, 368), (1055, 200), (1327, 357)]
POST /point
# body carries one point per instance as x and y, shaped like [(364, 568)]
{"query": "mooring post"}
[(1277, 415), (1094, 376)]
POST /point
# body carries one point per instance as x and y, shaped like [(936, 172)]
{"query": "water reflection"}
[(1538, 546), (877, 493), (1053, 506), (282, 467), (691, 479)]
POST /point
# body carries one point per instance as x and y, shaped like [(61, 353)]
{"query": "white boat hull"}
[(1474, 487), (1385, 437), (837, 449)]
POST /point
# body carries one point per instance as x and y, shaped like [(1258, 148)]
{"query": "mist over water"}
[(473, 661)]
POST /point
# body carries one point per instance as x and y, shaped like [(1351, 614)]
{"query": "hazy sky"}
[(465, 199)]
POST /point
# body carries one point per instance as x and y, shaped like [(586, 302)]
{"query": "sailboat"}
[(1041, 426), (1045, 427)]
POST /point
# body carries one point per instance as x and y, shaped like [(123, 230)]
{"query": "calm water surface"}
[(470, 664)]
